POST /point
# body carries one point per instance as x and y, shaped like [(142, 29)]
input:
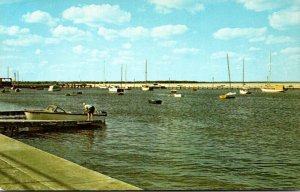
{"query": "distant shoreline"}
[(158, 84)]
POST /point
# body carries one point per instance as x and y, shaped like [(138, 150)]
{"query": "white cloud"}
[(134, 32), (78, 49), (38, 51), (291, 52), (261, 5), (108, 34), (285, 18), (97, 14), (170, 43), (222, 54), (254, 49), (39, 17), (166, 6), (13, 30), (186, 50), (252, 34), (278, 39), (127, 45), (166, 31), (24, 41), (70, 33)]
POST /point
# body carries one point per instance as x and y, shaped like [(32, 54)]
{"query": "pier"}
[(23, 167), (15, 122)]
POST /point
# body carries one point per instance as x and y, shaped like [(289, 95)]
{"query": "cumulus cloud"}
[(96, 14), (24, 41), (108, 34), (186, 50), (278, 39), (134, 32), (70, 33), (254, 49), (261, 5), (291, 52), (285, 18), (167, 6), (39, 17), (166, 31), (252, 34), (13, 30)]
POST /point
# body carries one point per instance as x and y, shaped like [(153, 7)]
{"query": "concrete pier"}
[(23, 167)]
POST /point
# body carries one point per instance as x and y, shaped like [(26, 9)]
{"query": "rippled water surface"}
[(196, 142)]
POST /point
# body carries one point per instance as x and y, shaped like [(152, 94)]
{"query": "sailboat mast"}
[(270, 63), (243, 71), (228, 71), (146, 72), (121, 74)]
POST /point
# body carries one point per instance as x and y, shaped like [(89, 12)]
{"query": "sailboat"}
[(229, 95), (103, 86), (268, 88), (244, 90), (146, 87), (116, 89)]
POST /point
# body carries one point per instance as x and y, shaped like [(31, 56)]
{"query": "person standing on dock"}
[(90, 109)]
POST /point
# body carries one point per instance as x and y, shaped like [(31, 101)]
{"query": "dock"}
[(23, 167), (15, 122), (13, 127)]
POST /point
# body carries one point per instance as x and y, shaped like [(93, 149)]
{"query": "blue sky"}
[(70, 40)]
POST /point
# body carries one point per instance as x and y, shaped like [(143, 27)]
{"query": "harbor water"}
[(197, 142)]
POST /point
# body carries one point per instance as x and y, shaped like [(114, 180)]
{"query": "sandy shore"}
[(290, 85)]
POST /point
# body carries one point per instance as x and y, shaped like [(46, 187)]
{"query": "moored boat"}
[(54, 112), (229, 95), (174, 93), (268, 88), (54, 88)]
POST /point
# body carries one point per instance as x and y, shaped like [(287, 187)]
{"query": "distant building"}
[(6, 82)]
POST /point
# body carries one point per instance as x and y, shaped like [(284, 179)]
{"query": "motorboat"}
[(147, 88), (230, 95), (54, 88), (174, 93), (155, 101), (244, 91), (53, 112)]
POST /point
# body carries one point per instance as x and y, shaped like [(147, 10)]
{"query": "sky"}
[(106, 40)]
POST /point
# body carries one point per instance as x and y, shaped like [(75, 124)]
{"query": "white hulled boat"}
[(245, 90), (146, 87), (54, 88), (54, 112)]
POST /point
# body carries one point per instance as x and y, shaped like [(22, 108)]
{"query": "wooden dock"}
[(15, 126), (15, 122)]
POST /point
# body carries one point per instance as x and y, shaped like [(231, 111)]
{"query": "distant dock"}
[(23, 167)]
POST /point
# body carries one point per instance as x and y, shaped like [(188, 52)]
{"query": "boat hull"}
[(270, 90), (230, 95), (244, 92), (42, 115)]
